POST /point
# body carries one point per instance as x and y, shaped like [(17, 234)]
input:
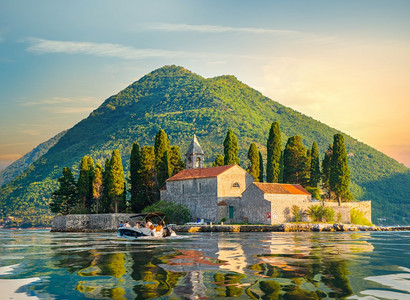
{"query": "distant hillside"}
[(19, 166), (183, 103)]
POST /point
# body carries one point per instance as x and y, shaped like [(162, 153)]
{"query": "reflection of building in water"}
[(233, 256), (191, 286)]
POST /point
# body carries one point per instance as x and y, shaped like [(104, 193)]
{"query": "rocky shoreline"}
[(110, 223)]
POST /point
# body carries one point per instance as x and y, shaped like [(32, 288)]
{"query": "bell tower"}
[(194, 155)]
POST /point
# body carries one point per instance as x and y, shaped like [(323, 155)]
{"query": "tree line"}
[(103, 190), (295, 164)]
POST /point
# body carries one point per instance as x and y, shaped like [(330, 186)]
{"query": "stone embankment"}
[(110, 223), (286, 227)]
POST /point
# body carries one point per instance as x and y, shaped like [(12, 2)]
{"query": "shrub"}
[(175, 213), (297, 212), (319, 213), (328, 214), (357, 217)]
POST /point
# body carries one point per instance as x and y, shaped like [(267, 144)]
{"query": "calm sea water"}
[(361, 265)]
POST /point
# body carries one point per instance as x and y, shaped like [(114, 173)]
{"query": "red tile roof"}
[(200, 173), (281, 188)]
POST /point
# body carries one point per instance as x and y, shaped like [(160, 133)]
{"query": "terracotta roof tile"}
[(200, 173), (281, 188)]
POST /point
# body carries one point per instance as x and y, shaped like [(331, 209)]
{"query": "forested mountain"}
[(183, 103), (19, 166)]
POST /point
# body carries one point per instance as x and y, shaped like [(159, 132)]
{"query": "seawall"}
[(110, 223)]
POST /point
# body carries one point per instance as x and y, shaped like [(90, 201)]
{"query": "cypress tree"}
[(314, 166), (219, 161), (339, 170), (274, 153), (116, 182), (162, 164), (231, 149), (295, 162), (97, 184), (84, 184), (106, 197), (148, 175), (164, 170), (326, 170), (175, 160), (135, 176), (65, 198), (253, 156), (260, 167)]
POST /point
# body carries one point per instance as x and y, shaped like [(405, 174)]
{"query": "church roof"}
[(281, 188), (200, 173), (194, 147)]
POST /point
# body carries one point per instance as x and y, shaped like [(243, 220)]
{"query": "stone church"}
[(230, 193)]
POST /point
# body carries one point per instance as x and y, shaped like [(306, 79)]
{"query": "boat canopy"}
[(149, 215)]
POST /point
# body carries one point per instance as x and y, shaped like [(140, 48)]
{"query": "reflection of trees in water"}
[(229, 284)]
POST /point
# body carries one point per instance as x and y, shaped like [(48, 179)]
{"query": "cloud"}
[(60, 100), (42, 46), (32, 132), (220, 29)]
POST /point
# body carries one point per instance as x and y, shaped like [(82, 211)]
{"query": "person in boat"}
[(137, 225), (127, 224), (150, 225), (160, 226)]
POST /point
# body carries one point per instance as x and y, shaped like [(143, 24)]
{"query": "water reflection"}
[(234, 265)]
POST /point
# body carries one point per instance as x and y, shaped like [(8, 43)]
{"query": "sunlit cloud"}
[(219, 29), (43, 46), (60, 100), (32, 132)]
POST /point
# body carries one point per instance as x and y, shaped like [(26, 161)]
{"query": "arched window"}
[(236, 185), (198, 161)]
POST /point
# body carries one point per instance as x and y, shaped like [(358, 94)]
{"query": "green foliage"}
[(136, 178), (175, 213), (296, 162), (315, 192), (231, 149), (260, 167), (84, 185), (319, 213), (253, 156), (180, 102), (65, 198), (314, 166), (175, 160), (97, 187), (326, 170), (357, 217), (274, 150), (219, 161), (150, 192), (339, 171), (115, 183), (297, 213), (162, 149)]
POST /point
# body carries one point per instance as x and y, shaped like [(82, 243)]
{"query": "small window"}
[(198, 162), (236, 185), (183, 189)]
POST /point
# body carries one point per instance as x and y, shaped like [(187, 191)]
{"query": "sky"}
[(344, 63)]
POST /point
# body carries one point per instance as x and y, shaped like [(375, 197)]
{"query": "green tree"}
[(175, 213), (65, 198), (296, 163), (231, 149), (135, 177), (274, 149), (314, 166), (219, 161), (116, 182), (175, 160), (260, 167), (326, 171), (97, 185), (339, 170), (106, 197), (148, 176), (253, 156), (162, 163), (84, 184)]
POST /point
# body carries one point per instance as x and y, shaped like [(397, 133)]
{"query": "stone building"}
[(228, 192)]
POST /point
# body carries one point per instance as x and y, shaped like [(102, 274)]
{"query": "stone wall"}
[(227, 179), (254, 207), (89, 223), (364, 206)]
